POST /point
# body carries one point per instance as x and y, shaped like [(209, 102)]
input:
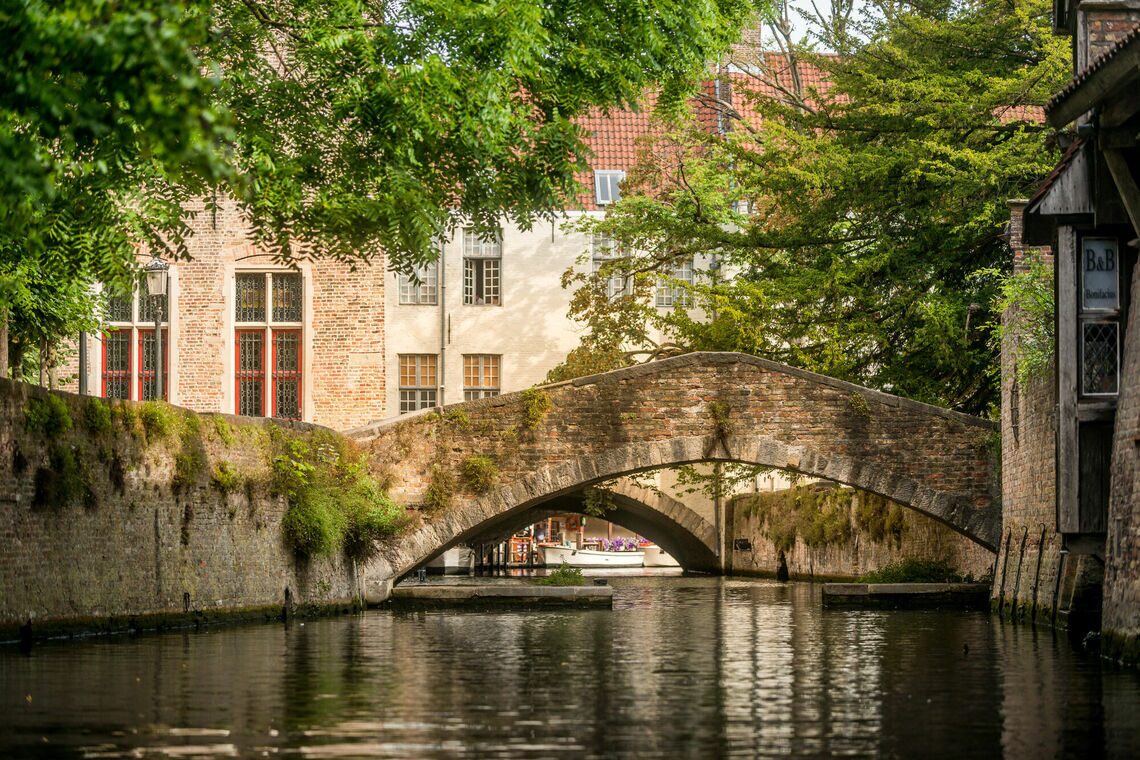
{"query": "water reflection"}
[(682, 667)]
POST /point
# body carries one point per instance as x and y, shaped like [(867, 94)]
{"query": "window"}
[(129, 350), (1100, 316), (482, 268), (607, 186), (604, 249), (417, 382), (268, 315), (480, 376), (420, 286), (673, 291)]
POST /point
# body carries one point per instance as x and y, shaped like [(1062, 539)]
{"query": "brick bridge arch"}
[(552, 441)]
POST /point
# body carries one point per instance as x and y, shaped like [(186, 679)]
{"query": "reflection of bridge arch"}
[(692, 408)]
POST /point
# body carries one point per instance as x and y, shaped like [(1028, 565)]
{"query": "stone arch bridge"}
[(542, 446)]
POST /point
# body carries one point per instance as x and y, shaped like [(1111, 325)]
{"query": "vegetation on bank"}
[(821, 514), (334, 504), (563, 575), (912, 570)]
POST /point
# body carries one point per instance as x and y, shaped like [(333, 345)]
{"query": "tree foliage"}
[(342, 127), (855, 214)]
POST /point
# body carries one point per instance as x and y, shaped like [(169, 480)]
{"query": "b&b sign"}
[(1100, 280)]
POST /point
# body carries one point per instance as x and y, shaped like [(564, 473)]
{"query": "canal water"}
[(681, 667)]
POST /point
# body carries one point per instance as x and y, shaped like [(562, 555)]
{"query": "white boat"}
[(457, 559), (554, 556), (655, 556)]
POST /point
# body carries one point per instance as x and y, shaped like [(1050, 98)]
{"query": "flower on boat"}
[(620, 544)]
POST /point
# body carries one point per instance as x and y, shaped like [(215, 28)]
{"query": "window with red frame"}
[(268, 362), (128, 362)]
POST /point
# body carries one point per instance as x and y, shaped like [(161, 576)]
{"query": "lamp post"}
[(156, 288)]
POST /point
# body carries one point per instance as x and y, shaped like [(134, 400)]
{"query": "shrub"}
[(479, 473), (459, 417), (720, 414), (226, 478), (157, 419), (188, 467), (563, 576), (313, 525), (371, 516), (535, 403), (223, 430), (48, 415), (97, 416), (440, 489), (912, 570), (127, 416)]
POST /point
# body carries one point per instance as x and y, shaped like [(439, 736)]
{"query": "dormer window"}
[(606, 186)]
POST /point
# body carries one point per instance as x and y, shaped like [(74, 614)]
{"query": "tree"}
[(855, 213), (343, 128)]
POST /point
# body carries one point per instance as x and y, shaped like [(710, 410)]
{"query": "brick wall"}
[(1103, 23), (343, 330), (134, 549), (1121, 622), (1033, 578)]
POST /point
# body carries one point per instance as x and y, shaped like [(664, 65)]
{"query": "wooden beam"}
[(1112, 77), (1125, 185)]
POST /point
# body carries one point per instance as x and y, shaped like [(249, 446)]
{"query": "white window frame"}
[(418, 395), (482, 269), (603, 250), (607, 188), (477, 390), (669, 292), (420, 288)]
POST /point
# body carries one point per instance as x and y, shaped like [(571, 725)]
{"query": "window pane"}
[(420, 289), (146, 304), (118, 308), (148, 378), (477, 247), (1099, 361), (287, 374), (250, 297), (117, 364), (251, 373), (286, 296)]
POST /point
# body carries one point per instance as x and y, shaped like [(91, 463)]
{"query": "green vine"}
[(721, 420), (1025, 299), (441, 487), (596, 502), (479, 473), (536, 403)]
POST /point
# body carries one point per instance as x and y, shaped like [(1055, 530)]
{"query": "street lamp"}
[(156, 288)]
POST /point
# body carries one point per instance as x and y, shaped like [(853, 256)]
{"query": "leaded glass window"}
[(250, 297), (287, 374), (148, 380), (268, 306), (1100, 355), (147, 304), (117, 364), (119, 308), (251, 372), (286, 296)]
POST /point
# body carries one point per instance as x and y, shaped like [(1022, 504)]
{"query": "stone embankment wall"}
[(841, 533), (116, 515)]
